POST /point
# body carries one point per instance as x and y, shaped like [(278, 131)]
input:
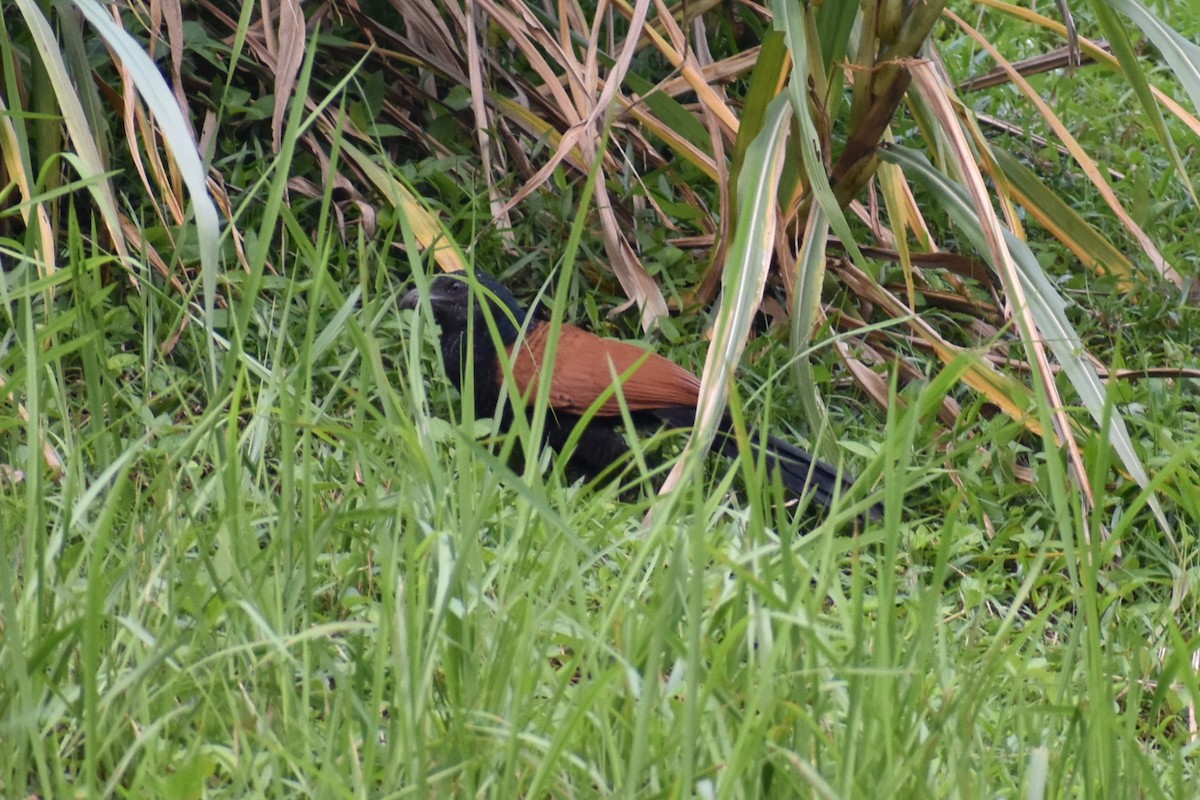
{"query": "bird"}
[(657, 392)]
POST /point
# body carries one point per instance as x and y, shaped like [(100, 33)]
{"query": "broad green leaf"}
[(800, 33), (670, 112), (743, 279), (1181, 54), (1087, 243)]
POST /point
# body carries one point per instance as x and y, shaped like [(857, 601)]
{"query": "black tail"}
[(801, 473)]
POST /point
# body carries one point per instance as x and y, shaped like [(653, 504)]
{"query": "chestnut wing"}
[(584, 369)]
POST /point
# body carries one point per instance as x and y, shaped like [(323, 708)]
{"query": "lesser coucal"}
[(656, 391)]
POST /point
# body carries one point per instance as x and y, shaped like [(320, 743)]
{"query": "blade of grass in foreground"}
[(743, 280)]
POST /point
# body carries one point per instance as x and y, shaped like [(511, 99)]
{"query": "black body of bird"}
[(657, 392)]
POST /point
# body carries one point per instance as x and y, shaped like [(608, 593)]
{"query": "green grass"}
[(314, 585)]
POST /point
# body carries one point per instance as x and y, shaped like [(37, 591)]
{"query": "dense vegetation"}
[(254, 546)]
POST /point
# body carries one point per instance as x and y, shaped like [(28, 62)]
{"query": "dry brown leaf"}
[(289, 57)]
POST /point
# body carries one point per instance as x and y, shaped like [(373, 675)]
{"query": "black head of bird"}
[(458, 308)]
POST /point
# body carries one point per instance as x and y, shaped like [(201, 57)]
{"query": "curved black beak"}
[(411, 299)]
